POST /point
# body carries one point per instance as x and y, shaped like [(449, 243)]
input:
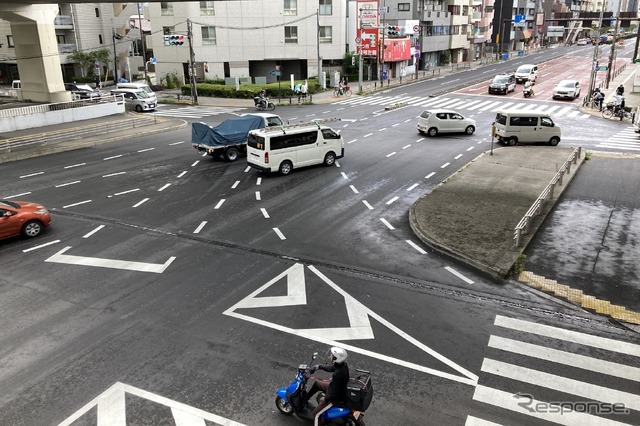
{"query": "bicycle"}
[(339, 91), (620, 113)]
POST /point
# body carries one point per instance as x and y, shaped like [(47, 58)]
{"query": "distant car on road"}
[(22, 218), (444, 121), (503, 83), (527, 72), (567, 89), (82, 91), (583, 42)]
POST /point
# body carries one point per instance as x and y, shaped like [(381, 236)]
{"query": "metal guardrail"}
[(40, 139), (523, 226)]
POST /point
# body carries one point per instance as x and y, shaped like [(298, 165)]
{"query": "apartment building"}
[(248, 38), (82, 28)]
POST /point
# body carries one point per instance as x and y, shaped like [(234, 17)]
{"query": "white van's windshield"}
[(525, 69), (501, 119)]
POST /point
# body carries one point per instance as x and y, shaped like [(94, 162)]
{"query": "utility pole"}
[(322, 83), (613, 47), (382, 47), (594, 62), (360, 54), (192, 60), (144, 59), (116, 74)]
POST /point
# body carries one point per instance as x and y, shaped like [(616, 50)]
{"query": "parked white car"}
[(567, 89), (444, 121)]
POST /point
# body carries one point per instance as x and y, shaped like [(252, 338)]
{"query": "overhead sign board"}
[(555, 31)]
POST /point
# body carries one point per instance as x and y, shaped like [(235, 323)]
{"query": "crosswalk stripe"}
[(568, 335), (560, 384), (475, 421), (565, 358), (618, 146), (483, 103), (446, 104), (552, 108), (507, 400), (456, 104), (622, 142), (489, 106), (572, 114)]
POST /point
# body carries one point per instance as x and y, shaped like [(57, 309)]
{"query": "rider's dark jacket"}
[(337, 392)]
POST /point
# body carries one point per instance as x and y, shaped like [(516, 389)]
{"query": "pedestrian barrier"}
[(547, 194)]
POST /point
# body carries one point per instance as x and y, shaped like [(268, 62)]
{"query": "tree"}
[(87, 60)]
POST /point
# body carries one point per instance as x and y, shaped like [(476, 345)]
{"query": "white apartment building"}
[(248, 38), (82, 28)]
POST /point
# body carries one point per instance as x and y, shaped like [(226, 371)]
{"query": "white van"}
[(137, 99), (285, 148), (513, 127), (527, 72), (137, 86)]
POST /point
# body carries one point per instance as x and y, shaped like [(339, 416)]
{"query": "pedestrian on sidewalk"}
[(303, 91), (620, 90), (598, 98)]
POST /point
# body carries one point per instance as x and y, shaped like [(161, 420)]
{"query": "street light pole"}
[(144, 59), (323, 84), (360, 55)]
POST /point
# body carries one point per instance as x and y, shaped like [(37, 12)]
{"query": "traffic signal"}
[(393, 31), (173, 40)]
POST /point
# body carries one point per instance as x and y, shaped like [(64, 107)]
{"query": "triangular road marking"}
[(359, 323), (112, 411)]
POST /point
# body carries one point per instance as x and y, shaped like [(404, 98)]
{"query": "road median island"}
[(472, 215)]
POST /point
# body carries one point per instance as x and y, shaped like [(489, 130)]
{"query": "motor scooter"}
[(527, 91), (291, 399), (262, 103)]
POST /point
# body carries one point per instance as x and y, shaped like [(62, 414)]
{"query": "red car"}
[(22, 218)]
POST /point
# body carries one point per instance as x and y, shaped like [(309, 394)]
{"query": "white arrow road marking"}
[(111, 409), (156, 268), (359, 324)]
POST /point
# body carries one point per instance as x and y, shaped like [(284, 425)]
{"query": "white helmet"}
[(339, 355)]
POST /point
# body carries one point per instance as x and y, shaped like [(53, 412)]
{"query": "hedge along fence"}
[(248, 91)]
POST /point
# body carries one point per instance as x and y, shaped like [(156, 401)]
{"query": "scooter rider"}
[(335, 389), (529, 86)]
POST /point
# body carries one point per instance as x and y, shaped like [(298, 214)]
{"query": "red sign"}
[(369, 42), (397, 50)]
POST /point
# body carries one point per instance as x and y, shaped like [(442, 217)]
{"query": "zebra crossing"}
[(626, 139), (612, 390), (477, 105), (195, 111)]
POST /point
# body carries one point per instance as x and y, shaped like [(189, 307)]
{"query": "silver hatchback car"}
[(444, 121)]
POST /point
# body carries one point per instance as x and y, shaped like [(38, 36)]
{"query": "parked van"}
[(137, 86), (137, 99), (526, 73), (513, 127), (285, 148)]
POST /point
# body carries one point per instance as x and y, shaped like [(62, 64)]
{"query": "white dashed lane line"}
[(470, 148), (141, 202), (164, 187), (247, 169), (415, 246), (387, 224), (194, 164), (67, 184), (392, 200), (123, 192), (258, 181), (182, 174), (353, 188), (31, 174), (367, 135), (412, 187), (366, 203), (352, 141), (406, 146), (16, 195), (40, 246), (219, 204), (444, 165), (258, 195), (176, 143), (75, 165), (146, 149), (389, 155), (344, 175), (279, 234), (458, 274), (76, 204), (235, 184), (114, 174), (111, 158), (87, 235), (199, 228), (429, 175), (264, 213), (457, 156)]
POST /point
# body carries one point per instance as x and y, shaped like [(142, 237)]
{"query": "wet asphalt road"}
[(591, 240)]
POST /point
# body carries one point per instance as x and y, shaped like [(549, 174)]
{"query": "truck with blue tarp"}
[(228, 139)]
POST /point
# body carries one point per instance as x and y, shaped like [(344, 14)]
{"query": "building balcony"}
[(67, 48), (476, 16), (430, 15), (62, 22)]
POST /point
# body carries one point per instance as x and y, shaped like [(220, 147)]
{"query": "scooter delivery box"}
[(360, 391)]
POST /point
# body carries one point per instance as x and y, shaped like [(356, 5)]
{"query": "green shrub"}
[(248, 91), (170, 82)]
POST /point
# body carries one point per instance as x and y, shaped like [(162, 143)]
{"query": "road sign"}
[(416, 28), (417, 54), (384, 9), (602, 68), (358, 40), (519, 19)]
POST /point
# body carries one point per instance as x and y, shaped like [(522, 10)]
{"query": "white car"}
[(583, 42), (444, 121), (567, 89)]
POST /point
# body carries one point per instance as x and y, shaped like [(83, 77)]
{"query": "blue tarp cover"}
[(230, 132)]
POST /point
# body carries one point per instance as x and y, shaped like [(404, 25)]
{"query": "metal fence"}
[(547, 194), (59, 106)]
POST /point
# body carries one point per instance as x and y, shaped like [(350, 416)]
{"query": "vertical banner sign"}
[(369, 12)]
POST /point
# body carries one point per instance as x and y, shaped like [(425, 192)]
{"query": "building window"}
[(454, 9), (166, 8), (325, 35), (404, 7), (206, 8), (290, 7), (208, 35), (10, 41), (291, 35), (61, 39), (326, 7), (97, 12)]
